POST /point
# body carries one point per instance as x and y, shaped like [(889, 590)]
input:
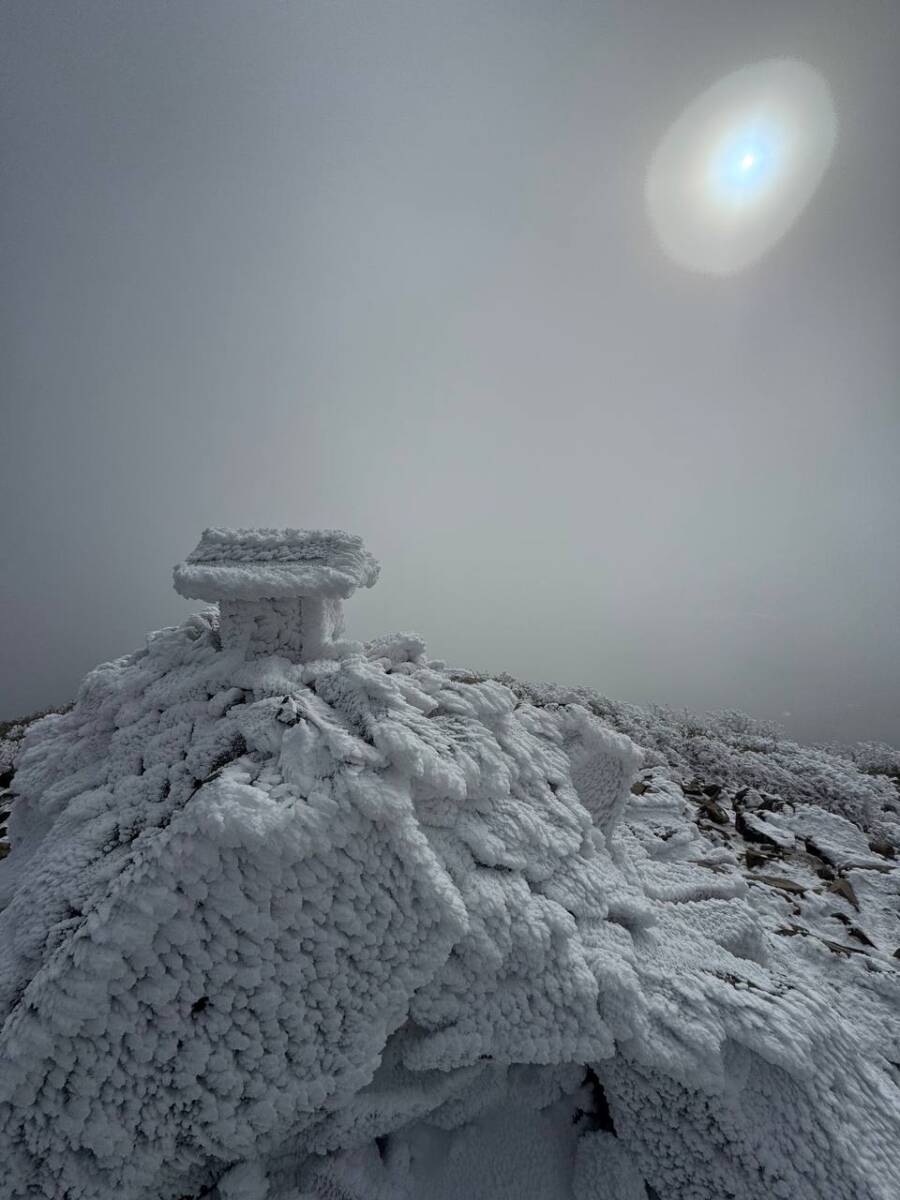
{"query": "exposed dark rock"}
[(861, 936), (759, 858), (714, 811), (843, 887), (752, 831), (770, 803), (721, 868), (813, 849), (784, 885), (885, 849), (837, 948)]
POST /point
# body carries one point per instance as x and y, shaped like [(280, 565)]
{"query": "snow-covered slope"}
[(288, 916)]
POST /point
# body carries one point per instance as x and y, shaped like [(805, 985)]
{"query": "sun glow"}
[(740, 164)]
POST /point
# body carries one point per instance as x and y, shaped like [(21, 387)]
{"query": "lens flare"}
[(740, 164)]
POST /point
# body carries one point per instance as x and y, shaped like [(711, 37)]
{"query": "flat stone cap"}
[(260, 564)]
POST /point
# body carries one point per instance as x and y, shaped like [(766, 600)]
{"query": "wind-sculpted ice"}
[(287, 916)]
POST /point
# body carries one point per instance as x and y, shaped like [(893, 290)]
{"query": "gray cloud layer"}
[(386, 267)]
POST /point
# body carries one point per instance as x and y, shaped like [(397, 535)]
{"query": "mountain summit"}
[(288, 915)]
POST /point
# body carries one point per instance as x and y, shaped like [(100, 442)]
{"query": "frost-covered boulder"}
[(291, 916)]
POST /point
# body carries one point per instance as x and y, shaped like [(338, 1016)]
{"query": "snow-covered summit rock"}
[(259, 564), (279, 590), (289, 916)]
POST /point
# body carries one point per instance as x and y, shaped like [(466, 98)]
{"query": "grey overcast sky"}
[(386, 266)]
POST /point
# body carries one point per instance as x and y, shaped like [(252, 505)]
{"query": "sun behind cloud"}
[(740, 164)]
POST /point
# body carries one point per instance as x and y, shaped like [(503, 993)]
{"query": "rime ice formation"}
[(287, 916), (279, 590)]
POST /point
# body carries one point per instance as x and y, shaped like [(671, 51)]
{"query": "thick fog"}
[(388, 267)]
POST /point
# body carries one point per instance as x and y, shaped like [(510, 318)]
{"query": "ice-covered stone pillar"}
[(279, 591)]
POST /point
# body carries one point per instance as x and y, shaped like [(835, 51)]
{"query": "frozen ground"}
[(287, 916)]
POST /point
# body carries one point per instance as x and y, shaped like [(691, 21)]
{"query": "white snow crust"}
[(363, 926), (255, 564)]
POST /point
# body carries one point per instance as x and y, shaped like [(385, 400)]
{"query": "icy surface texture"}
[(280, 591), (860, 782), (257, 564), (361, 926)]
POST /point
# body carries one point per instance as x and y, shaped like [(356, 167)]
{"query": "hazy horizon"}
[(388, 268)]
